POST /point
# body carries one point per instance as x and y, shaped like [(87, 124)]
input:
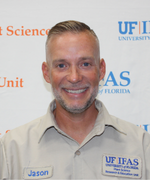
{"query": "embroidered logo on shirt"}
[(123, 166), (37, 172)]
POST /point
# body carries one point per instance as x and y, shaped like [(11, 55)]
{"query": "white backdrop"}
[(123, 28)]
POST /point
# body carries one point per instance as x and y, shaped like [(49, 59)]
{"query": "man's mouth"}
[(77, 91)]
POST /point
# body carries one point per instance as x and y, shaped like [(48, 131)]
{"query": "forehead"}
[(72, 42), (73, 36)]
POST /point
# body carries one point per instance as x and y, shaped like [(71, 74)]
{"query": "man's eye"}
[(61, 65), (86, 64)]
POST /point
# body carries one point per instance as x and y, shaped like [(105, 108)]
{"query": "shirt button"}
[(78, 153)]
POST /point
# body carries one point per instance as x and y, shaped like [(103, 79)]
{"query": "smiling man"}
[(74, 70), (77, 138)]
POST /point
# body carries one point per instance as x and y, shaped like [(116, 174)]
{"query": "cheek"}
[(56, 79), (93, 77)]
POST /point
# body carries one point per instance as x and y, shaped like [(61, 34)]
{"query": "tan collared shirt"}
[(114, 149)]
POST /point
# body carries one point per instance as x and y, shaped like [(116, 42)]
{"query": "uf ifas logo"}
[(122, 166), (129, 27), (121, 160)]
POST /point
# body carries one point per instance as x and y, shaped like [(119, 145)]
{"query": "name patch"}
[(37, 172), (122, 166)]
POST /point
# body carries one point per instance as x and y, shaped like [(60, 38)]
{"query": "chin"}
[(76, 109)]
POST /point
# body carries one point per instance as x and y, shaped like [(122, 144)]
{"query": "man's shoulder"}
[(119, 124), (23, 132), (130, 128)]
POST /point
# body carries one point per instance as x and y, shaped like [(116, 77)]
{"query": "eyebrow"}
[(58, 61), (55, 61), (86, 58)]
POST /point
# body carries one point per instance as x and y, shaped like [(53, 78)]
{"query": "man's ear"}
[(45, 70), (102, 68)]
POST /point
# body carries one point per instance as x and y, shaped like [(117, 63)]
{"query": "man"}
[(77, 138)]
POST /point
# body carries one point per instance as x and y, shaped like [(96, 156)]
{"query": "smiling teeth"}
[(76, 91)]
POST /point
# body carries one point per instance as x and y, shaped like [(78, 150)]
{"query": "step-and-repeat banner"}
[(123, 28)]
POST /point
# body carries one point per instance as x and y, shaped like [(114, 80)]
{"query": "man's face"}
[(74, 70)]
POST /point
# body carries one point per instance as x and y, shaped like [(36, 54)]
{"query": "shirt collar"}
[(106, 118), (47, 121), (103, 117)]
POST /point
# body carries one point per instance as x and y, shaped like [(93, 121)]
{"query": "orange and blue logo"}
[(134, 30)]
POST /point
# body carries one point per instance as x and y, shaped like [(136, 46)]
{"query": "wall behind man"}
[(123, 28)]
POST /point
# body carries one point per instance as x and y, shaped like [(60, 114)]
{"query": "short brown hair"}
[(69, 26)]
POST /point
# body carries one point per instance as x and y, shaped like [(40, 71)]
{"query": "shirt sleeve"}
[(3, 163)]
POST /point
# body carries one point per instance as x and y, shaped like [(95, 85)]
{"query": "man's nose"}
[(74, 75)]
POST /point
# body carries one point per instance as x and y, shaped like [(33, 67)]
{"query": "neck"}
[(77, 126)]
